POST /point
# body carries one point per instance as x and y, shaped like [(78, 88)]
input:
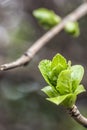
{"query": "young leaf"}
[(79, 89), (58, 100), (46, 18), (58, 64), (77, 72), (45, 69), (55, 73), (59, 60), (50, 91), (64, 83), (70, 100)]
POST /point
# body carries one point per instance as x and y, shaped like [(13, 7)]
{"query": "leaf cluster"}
[(63, 80)]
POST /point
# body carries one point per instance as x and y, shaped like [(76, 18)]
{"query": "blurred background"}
[(22, 104)]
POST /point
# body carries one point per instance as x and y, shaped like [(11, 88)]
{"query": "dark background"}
[(22, 104)]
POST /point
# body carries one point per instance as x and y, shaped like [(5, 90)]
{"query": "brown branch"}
[(29, 54), (77, 116)]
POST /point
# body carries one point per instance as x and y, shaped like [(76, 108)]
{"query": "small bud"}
[(46, 18), (72, 28)]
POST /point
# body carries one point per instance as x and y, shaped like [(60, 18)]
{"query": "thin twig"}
[(77, 116), (29, 54)]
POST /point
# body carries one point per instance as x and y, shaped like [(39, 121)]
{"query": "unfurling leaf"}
[(45, 69), (70, 100), (50, 91), (66, 100), (57, 100), (79, 89), (64, 83), (59, 62), (76, 75)]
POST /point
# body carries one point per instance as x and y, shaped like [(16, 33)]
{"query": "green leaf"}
[(50, 91), (64, 83), (58, 64), (77, 72), (70, 100), (76, 75), (45, 69), (55, 73), (59, 60), (46, 18), (72, 28), (57, 100), (79, 89), (67, 100)]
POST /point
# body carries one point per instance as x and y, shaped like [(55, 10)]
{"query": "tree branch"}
[(77, 116), (29, 54)]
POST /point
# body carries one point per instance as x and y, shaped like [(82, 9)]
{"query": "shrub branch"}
[(77, 116)]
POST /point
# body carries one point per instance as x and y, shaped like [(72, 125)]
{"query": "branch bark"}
[(29, 54), (77, 116)]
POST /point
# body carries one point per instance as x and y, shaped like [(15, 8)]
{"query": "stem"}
[(29, 54), (77, 116)]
